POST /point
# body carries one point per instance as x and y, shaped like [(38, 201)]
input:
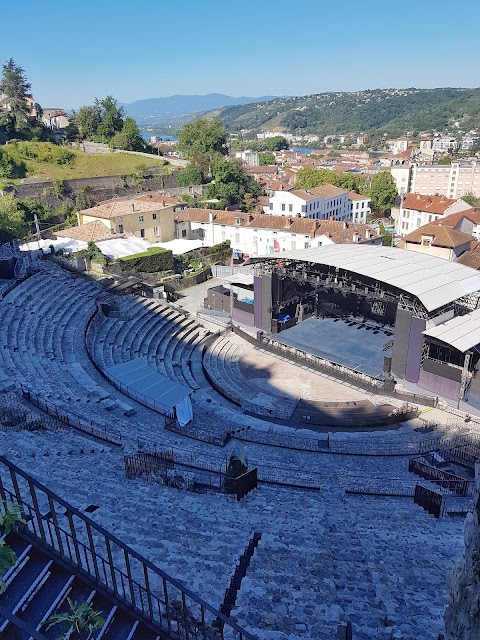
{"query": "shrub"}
[(65, 157), (151, 261), (189, 175)]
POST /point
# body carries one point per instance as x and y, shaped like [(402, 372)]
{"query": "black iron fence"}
[(158, 598), (90, 427), (429, 500), (443, 479)]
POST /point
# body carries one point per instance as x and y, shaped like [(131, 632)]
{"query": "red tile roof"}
[(442, 236), (429, 204)]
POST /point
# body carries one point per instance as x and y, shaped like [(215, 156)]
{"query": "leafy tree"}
[(202, 137), (471, 199), (445, 160), (231, 182), (277, 143), (12, 218), (129, 137), (249, 202), (189, 175), (112, 116), (265, 159), (16, 88), (383, 191), (309, 178), (87, 119)]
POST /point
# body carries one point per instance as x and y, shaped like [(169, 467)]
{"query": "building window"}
[(184, 233), (155, 231), (271, 206), (294, 244), (154, 216), (306, 245), (237, 238), (140, 218), (283, 207), (120, 228), (142, 233), (290, 207)]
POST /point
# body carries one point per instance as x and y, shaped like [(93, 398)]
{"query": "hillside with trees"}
[(379, 111)]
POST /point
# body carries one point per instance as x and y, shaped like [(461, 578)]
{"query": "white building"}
[(397, 146), (468, 142), (249, 158), (418, 210), (445, 144), (260, 234), (359, 207), (320, 203)]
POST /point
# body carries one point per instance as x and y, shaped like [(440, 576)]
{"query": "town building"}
[(445, 144), (319, 203), (260, 234), (248, 157), (149, 217), (438, 240), (453, 181), (417, 210), (359, 207), (397, 146), (55, 119)]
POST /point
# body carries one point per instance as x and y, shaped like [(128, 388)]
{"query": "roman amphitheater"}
[(341, 525)]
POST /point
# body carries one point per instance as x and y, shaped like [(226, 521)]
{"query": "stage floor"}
[(356, 347)]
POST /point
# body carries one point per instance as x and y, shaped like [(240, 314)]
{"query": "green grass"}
[(41, 160)]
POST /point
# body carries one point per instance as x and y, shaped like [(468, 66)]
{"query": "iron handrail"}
[(109, 540)]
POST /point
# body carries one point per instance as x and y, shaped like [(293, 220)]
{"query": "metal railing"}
[(91, 428), (159, 599)]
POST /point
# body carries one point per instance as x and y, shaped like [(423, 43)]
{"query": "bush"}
[(151, 261), (65, 157)]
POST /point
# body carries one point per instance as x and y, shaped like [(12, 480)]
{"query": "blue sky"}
[(74, 51)]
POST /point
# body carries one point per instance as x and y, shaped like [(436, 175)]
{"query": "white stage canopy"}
[(142, 383)]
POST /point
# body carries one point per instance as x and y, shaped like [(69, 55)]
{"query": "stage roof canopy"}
[(461, 332), (434, 281)]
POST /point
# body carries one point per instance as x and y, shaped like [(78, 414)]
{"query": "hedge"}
[(150, 261)]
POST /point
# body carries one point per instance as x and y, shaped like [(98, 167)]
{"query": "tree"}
[(471, 199), (202, 137), (129, 137), (12, 219), (112, 116), (383, 191), (189, 175), (265, 159), (16, 88), (277, 143), (87, 119), (249, 202), (308, 178), (231, 182)]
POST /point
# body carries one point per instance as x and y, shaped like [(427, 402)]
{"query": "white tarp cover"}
[(141, 379), (123, 247), (462, 332), (181, 245), (434, 281)]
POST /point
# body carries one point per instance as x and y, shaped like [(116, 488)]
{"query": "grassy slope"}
[(39, 158)]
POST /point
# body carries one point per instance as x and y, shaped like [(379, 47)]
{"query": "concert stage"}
[(351, 343)]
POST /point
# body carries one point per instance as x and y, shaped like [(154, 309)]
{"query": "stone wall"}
[(101, 188), (462, 616)]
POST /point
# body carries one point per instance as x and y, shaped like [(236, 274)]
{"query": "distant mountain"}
[(379, 111), (168, 110)]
